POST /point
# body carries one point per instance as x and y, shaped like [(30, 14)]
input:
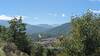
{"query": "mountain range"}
[(44, 29)]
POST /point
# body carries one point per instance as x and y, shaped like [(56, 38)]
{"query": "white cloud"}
[(95, 11), (56, 14), (5, 17), (63, 15)]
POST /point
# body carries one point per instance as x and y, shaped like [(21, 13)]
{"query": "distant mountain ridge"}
[(64, 28), (3, 22), (45, 25), (55, 32), (35, 29), (31, 28), (44, 29)]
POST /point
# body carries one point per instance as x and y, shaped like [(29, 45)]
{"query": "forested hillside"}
[(29, 28), (83, 38), (47, 31), (54, 32)]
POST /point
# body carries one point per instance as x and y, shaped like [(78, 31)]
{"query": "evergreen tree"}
[(4, 33), (18, 35)]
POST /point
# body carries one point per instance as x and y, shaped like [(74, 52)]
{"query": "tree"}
[(85, 35), (4, 33), (18, 35)]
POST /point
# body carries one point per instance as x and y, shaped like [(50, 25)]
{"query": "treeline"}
[(83, 40)]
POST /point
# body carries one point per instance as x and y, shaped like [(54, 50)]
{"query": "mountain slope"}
[(35, 29), (60, 30), (4, 23), (45, 26), (54, 32), (29, 28), (64, 28), (44, 29)]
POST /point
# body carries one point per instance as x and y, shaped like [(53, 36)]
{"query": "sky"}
[(46, 11)]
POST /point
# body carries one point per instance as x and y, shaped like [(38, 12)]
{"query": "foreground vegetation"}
[(83, 40)]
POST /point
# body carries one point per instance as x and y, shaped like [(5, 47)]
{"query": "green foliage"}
[(18, 35), (4, 34), (39, 51), (85, 35)]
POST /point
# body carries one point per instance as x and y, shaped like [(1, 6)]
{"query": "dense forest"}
[(82, 40)]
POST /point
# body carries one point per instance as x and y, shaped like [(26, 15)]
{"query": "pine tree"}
[(18, 35)]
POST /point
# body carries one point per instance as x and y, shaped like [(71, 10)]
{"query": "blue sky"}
[(46, 11)]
